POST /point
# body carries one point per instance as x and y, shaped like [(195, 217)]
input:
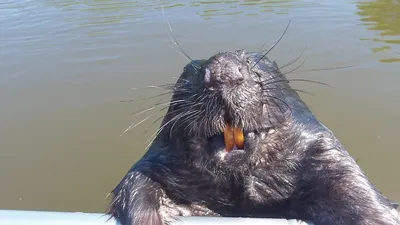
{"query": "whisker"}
[(274, 78), (290, 71), (293, 61), (153, 136), (290, 89), (133, 125), (198, 103), (157, 105), (173, 39), (186, 104), (311, 81), (159, 95), (193, 121), (186, 80), (150, 140), (290, 80), (147, 98), (302, 91), (179, 101), (260, 50), (272, 47), (161, 117), (332, 68), (186, 114), (177, 90), (146, 110), (192, 116), (276, 98), (152, 87), (154, 122), (161, 129)]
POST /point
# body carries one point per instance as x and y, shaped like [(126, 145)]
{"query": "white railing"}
[(21, 217)]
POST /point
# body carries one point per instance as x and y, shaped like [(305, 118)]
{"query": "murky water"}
[(67, 65)]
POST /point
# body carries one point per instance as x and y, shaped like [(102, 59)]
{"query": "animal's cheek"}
[(250, 139), (253, 143)]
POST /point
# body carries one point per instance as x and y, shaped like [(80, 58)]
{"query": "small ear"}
[(241, 53)]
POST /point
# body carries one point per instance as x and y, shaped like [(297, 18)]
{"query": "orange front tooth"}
[(239, 138), (229, 138)]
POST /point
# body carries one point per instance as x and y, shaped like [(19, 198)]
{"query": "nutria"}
[(238, 141)]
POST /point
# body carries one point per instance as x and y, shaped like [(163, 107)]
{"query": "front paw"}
[(297, 222), (136, 201)]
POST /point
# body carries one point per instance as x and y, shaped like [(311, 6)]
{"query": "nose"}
[(229, 75)]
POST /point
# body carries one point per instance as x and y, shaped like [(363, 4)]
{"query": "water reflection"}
[(383, 16), (102, 17), (99, 17), (108, 11), (212, 9)]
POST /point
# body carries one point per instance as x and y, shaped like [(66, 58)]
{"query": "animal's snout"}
[(227, 76)]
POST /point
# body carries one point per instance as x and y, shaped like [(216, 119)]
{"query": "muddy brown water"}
[(67, 65)]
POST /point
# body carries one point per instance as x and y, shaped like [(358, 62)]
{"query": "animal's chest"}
[(268, 189), (255, 194)]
